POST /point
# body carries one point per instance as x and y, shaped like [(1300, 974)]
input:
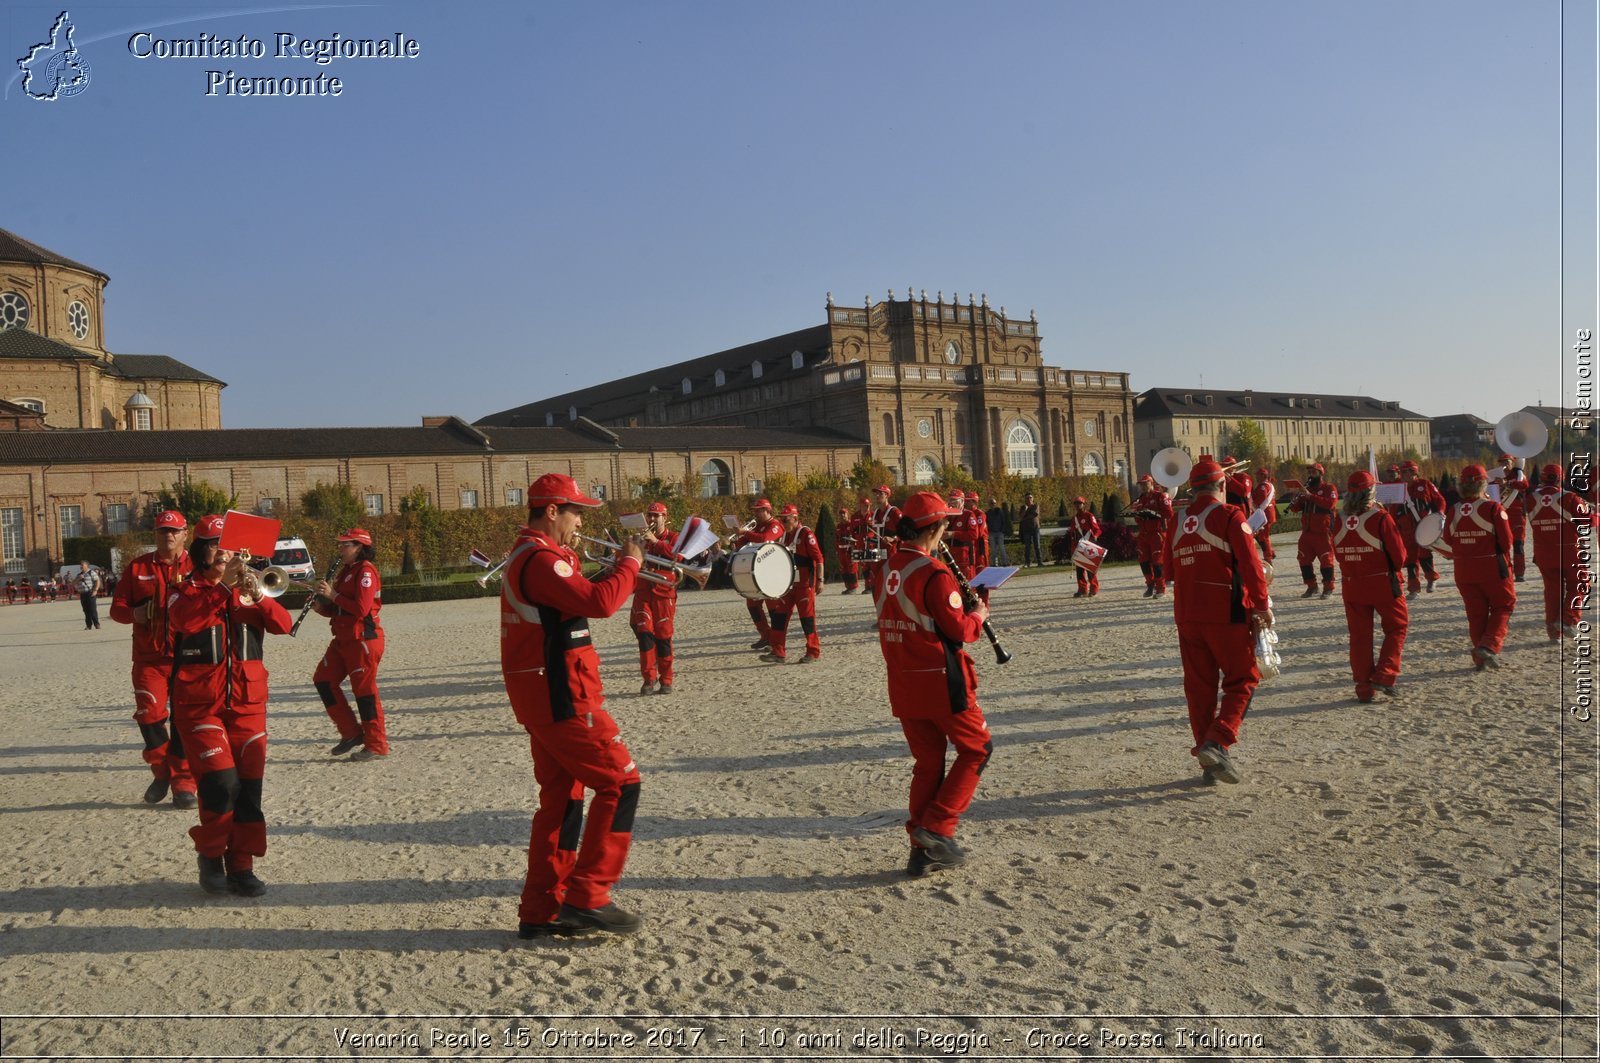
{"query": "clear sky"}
[(1362, 196)]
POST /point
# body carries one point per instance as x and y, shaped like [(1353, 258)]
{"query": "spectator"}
[(999, 529)]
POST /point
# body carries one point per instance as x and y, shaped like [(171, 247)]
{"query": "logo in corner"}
[(55, 69)]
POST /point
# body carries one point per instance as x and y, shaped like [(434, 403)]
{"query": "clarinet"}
[(971, 599), (333, 570)]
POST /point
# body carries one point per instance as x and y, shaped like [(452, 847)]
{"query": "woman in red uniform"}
[(655, 605), (1560, 519), (219, 697), (1477, 535), (802, 543), (1087, 529), (1366, 543), (933, 686), (351, 602)]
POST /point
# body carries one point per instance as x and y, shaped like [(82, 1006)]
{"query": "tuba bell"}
[(1170, 467), (1521, 434)]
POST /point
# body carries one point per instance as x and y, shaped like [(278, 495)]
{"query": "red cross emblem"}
[(1190, 523), (891, 582), (1351, 522), (1466, 508)]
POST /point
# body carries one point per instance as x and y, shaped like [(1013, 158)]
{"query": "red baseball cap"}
[(1205, 471), (171, 518), (1408, 464), (555, 488), (957, 493), (1147, 479), (1550, 474), (762, 503), (882, 489), (1080, 501), (1474, 472), (866, 502), (1359, 480), (657, 507), (925, 508), (1318, 468), (208, 527), (356, 535), (789, 510), (1507, 457)]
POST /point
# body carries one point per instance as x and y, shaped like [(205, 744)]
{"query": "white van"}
[(293, 557)]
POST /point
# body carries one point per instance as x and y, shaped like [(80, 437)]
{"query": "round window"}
[(78, 318), (13, 311), (1088, 428), (924, 428), (952, 353)]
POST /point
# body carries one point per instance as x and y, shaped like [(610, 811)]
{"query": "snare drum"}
[(1429, 529), (762, 570), (1088, 555)]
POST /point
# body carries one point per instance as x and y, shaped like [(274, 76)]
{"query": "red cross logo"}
[(1190, 523), (1466, 509), (891, 583), (1351, 522)]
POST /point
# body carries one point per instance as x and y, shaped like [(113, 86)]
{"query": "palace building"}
[(922, 383)]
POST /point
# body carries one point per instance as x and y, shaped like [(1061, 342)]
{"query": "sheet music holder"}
[(992, 577)]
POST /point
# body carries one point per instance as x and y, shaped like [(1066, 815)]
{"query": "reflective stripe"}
[(911, 611), (1360, 529), (1202, 531), (261, 735)]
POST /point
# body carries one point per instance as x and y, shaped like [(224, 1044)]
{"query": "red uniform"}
[(1318, 508), (148, 579), (844, 547), (1153, 511), (552, 677), (1265, 498), (765, 531), (219, 696), (881, 531), (1371, 555), (1479, 539), (1086, 527), (356, 651), (1562, 522), (802, 597), (933, 686), (1217, 582), (1422, 498), (655, 605), (1514, 489), (978, 520)]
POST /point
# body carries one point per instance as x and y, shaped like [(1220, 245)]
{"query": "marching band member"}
[(762, 529), (844, 549), (1556, 514), (1265, 498), (141, 600), (978, 521), (1317, 506), (1371, 555), (933, 685), (1220, 600), (655, 604), (219, 696), (961, 532), (1422, 498), (1478, 537), (883, 522), (552, 677), (351, 603), (1514, 489), (1086, 528), (802, 597), (1153, 510)]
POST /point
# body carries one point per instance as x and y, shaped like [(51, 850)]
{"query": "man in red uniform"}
[(351, 602), (1477, 536), (1370, 555), (1422, 498), (219, 699), (552, 677), (844, 548), (1085, 528), (655, 605), (933, 685), (978, 521), (1152, 510), (802, 597), (1265, 499), (141, 600), (763, 529), (1317, 506), (1514, 489), (884, 522), (1220, 601), (1561, 519), (961, 531)]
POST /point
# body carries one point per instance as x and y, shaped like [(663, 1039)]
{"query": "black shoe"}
[(1149, 592), (922, 862), (759, 644), (156, 791), (557, 927), (185, 799), (346, 745), (1080, 594), (772, 657), (649, 687), (611, 919), (1519, 579), (1311, 592), (1486, 656), (1213, 756), (1429, 588), (213, 879), (941, 848), (664, 688), (1208, 777), (1327, 592), (245, 884), (1386, 691)]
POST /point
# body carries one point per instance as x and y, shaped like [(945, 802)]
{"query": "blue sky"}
[(1359, 196)]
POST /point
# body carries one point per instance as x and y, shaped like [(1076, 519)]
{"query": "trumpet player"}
[(1367, 545), (351, 603), (761, 529), (218, 619), (1317, 505), (802, 597), (655, 605)]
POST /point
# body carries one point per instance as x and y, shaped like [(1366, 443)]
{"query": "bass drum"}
[(1429, 529), (762, 570)]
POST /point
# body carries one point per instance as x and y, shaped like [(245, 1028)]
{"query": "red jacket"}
[(548, 660), (1213, 564), (1156, 503), (1264, 497), (1514, 489), (767, 531), (921, 629), (1085, 525), (1558, 518), (148, 579), (1317, 510), (1479, 537), (1371, 556), (802, 543), (217, 644), (652, 590), (357, 597)]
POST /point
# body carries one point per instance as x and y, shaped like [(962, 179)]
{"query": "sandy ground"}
[(1389, 879)]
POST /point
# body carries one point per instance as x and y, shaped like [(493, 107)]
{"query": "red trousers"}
[(1394, 616), (849, 569), (651, 620), (1315, 550), (1217, 656), (1489, 605), (1264, 543), (358, 659), (939, 797), (1088, 579), (165, 756), (229, 747), (585, 751), (802, 599), (1150, 549), (1566, 589)]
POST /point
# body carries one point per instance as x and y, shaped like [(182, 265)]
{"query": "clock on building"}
[(952, 353), (924, 428)]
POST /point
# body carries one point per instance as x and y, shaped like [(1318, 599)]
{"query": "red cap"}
[(866, 502), (1265, 474), (1408, 466), (1230, 460), (789, 510), (957, 493), (554, 488), (356, 535), (171, 518), (209, 527), (1550, 474), (657, 507), (1394, 468), (925, 508), (1318, 469), (762, 503), (1474, 472), (1080, 501), (882, 489), (1205, 471), (1507, 457), (1147, 479), (1359, 480)]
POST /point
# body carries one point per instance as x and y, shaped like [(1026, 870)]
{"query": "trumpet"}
[(675, 569), (274, 581), (493, 573)]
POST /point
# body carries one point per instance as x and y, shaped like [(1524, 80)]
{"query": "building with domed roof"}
[(54, 359)]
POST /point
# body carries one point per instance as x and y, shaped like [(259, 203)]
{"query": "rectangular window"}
[(469, 499), (267, 506), (513, 496), (116, 518), (374, 505), (598, 491), (11, 539), (141, 420), (71, 522)]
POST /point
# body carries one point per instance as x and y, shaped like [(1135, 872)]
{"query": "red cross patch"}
[(891, 582), (1466, 509), (1351, 522), (1190, 523)]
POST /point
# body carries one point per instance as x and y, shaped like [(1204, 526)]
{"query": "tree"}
[(1111, 510), (1247, 440), (654, 488), (336, 503), (827, 534), (781, 487), (868, 473), (194, 499), (416, 500), (823, 481), (954, 476)]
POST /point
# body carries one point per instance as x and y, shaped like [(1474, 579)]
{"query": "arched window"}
[(1120, 469), (888, 428), (1022, 449), (549, 419), (715, 479), (755, 370), (1092, 465), (687, 387), (924, 471), (797, 360), (722, 378), (572, 413)]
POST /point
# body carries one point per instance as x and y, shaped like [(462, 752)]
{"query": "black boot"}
[(213, 877)]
